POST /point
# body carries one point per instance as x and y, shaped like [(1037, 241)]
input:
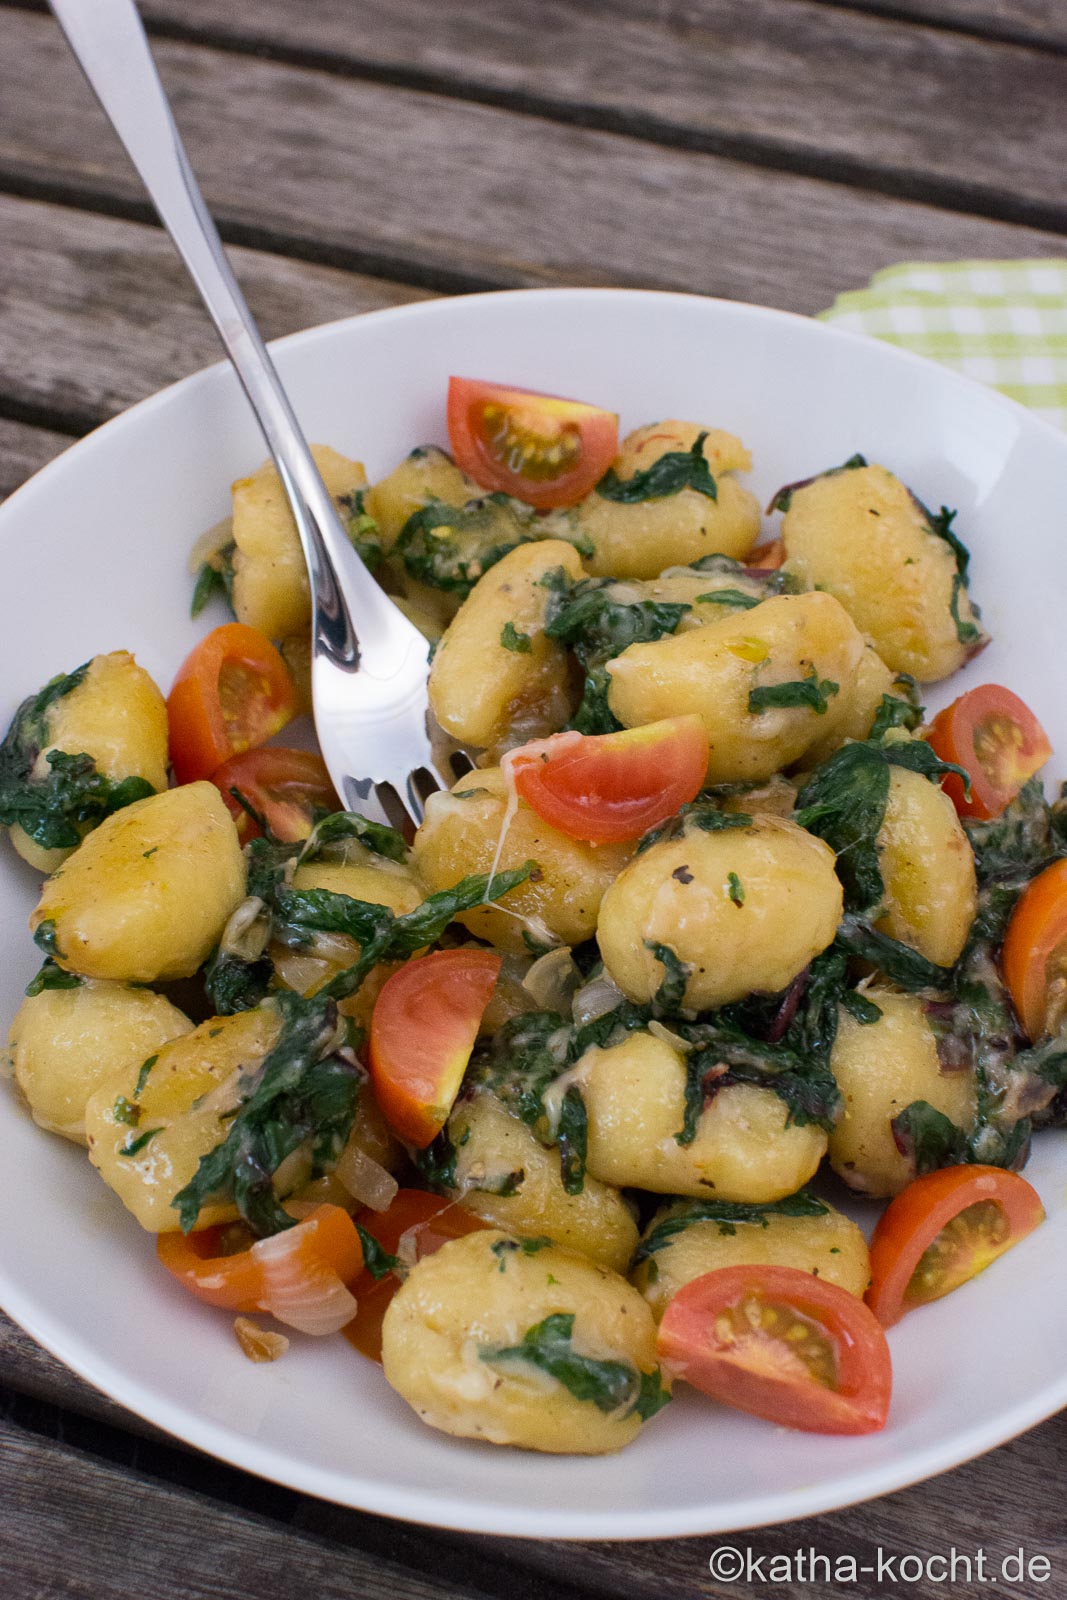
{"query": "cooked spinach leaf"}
[(676, 974), (512, 639), (729, 597), (784, 498), (927, 1138), (376, 1258), (450, 547), (58, 807), (728, 1215), (214, 578), (573, 1138), (900, 710), (609, 1385), (807, 691), (673, 472), (52, 977)]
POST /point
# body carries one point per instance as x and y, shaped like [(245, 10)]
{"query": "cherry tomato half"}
[(608, 786), (544, 450), (233, 691), (994, 737), (781, 1344), (424, 1222), (299, 1276), (286, 788), (1034, 955), (422, 1032), (943, 1229)]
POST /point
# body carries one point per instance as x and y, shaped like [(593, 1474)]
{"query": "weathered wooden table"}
[(360, 155)]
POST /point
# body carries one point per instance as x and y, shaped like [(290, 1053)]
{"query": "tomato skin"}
[(1036, 934), (324, 1254), (429, 1221), (284, 786), (917, 1216), (612, 786), (993, 736), (233, 691), (422, 1032), (526, 423), (766, 557), (760, 1373)]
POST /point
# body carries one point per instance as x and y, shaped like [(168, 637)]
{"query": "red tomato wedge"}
[(944, 1229), (414, 1226), (286, 788), (299, 1276), (607, 786), (1034, 955), (422, 1032), (781, 1344), (994, 737), (766, 557), (233, 691), (544, 450)]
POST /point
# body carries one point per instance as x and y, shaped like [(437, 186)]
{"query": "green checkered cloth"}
[(1002, 322)]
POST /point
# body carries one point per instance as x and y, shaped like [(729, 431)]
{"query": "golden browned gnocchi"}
[(475, 1341), (426, 474), (684, 1240), (65, 1041), (638, 540), (470, 830), (147, 894), (769, 683), (881, 1068), (270, 583), (742, 908), (115, 714), (497, 674), (927, 866), (862, 536), (148, 1125), (506, 1176), (744, 1145)]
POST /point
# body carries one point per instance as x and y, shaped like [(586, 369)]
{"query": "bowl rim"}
[(439, 1509)]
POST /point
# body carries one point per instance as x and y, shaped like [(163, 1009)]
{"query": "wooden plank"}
[(376, 176), (24, 450), (777, 80), (100, 312), (1037, 21), (81, 1528)]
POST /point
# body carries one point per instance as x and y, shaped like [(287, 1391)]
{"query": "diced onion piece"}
[(553, 980), (366, 1179)]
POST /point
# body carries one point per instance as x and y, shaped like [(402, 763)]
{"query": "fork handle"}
[(109, 42)]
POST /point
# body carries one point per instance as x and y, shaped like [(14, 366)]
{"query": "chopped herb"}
[(673, 472), (728, 1215), (735, 889), (612, 1386), (362, 529), (676, 974), (214, 578), (859, 1007), (503, 1248), (148, 854), (511, 639), (806, 691), (377, 1260), (44, 937), (573, 1137), (143, 1076), (966, 632), (135, 1146), (127, 1111), (729, 597), (52, 977)]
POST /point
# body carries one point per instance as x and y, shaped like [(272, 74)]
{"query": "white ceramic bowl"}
[(93, 556)]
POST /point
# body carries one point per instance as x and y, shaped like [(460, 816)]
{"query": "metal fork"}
[(369, 663)]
